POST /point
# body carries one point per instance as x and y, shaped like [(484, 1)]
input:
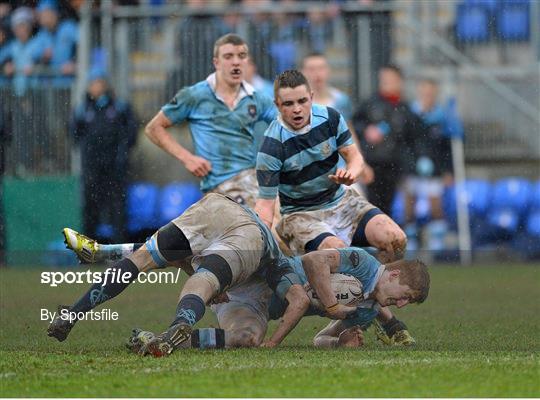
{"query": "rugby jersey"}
[(225, 137), (297, 165)]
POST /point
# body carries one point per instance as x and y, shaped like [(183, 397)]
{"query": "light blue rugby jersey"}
[(299, 164), (222, 136), (354, 261)]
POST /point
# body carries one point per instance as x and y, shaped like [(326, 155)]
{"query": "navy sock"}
[(208, 338), (98, 293), (190, 309)]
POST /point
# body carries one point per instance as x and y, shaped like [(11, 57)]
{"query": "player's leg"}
[(89, 250), (167, 246)]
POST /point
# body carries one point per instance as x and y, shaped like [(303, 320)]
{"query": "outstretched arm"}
[(298, 305)]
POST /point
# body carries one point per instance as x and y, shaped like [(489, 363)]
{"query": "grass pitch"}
[(478, 335)]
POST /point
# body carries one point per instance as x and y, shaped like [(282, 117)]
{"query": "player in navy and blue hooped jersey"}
[(298, 161), (222, 112)]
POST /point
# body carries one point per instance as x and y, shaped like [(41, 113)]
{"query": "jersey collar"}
[(302, 131), (368, 290), (245, 88)]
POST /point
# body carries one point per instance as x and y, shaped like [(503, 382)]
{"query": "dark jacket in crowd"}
[(105, 129)]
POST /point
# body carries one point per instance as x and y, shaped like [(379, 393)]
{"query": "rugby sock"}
[(118, 251), (392, 326), (112, 287), (190, 309), (208, 338)]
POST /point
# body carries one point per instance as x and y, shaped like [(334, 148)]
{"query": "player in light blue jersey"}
[(222, 112), (398, 283), (299, 161)]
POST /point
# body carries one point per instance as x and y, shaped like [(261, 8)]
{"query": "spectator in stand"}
[(19, 55), (432, 168), (4, 35), (386, 126), (258, 82), (105, 129), (58, 43), (317, 71)]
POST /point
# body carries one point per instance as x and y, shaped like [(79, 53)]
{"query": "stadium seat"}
[(489, 5), (513, 19), (477, 196), (104, 231), (512, 193), (505, 219), (398, 208), (535, 197), (472, 23), (174, 199), (141, 207), (532, 225)]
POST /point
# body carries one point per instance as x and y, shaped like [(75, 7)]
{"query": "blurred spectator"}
[(258, 82), (105, 129), (198, 32), (316, 69), (432, 167), (4, 80), (18, 56), (385, 126), (57, 41)]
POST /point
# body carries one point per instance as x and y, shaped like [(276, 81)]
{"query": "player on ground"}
[(228, 244), (298, 160), (398, 283)]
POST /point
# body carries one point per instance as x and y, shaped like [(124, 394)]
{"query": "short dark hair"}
[(394, 68), (289, 79), (229, 38), (413, 273), (312, 54)]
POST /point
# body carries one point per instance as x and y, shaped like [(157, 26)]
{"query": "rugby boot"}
[(86, 249), (60, 326), (165, 343)]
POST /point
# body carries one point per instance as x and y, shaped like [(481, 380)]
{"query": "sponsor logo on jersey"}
[(252, 110), (354, 258)]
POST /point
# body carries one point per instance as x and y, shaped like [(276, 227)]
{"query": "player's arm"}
[(269, 166), (298, 305), (336, 334), (156, 130), (318, 265), (348, 150)]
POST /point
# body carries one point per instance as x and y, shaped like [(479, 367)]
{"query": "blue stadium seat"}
[(532, 225), (535, 197), (489, 5), (105, 231), (472, 23), (141, 207), (398, 208), (175, 198), (513, 20), (477, 195), (512, 193), (504, 219)]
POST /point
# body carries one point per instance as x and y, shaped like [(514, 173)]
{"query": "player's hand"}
[(373, 134), (342, 176), (220, 298), (198, 166), (339, 311), (268, 344), (351, 337)]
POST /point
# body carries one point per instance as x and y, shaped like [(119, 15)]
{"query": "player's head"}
[(293, 98), (47, 11), (316, 69), (403, 282), (230, 58), (427, 92), (390, 80)]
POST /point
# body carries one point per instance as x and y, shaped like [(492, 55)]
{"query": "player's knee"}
[(218, 267), (332, 242), (245, 338), (171, 244)]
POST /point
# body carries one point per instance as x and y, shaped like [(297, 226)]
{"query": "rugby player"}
[(226, 243), (298, 160)]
